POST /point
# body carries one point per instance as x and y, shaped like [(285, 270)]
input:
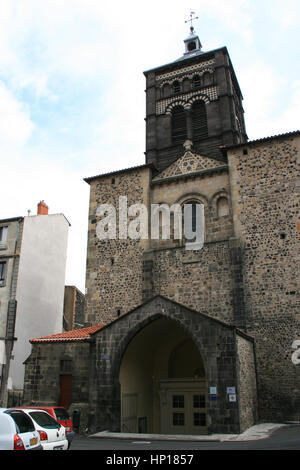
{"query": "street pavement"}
[(266, 436)]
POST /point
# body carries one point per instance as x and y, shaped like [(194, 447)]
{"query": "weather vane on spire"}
[(191, 20)]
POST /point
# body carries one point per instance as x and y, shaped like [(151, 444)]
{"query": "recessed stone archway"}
[(133, 348), (162, 377)]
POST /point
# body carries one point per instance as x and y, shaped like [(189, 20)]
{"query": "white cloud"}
[(289, 119), (38, 177), (16, 126), (236, 15), (267, 112), (286, 13)]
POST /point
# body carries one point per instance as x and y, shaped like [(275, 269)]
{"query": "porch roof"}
[(81, 334)]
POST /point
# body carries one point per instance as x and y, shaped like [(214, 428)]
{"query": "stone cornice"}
[(195, 174)]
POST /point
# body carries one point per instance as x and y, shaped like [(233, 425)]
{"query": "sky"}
[(72, 100)]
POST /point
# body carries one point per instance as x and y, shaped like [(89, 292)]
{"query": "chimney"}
[(42, 208)]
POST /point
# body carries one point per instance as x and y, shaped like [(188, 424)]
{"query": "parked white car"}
[(17, 431), (52, 434)]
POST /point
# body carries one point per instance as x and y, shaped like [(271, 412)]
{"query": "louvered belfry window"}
[(176, 87), (196, 81), (199, 120), (179, 127)]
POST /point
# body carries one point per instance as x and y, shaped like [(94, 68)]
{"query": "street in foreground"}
[(285, 438)]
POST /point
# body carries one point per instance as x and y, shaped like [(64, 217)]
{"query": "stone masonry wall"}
[(201, 280), (121, 274), (265, 199), (114, 267), (247, 392), (79, 309), (43, 370)]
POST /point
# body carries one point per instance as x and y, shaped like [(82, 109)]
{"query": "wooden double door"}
[(183, 407)]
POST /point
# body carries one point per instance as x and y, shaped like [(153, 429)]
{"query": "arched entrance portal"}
[(162, 380)]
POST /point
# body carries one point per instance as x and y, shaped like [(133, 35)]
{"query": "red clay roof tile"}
[(72, 335)]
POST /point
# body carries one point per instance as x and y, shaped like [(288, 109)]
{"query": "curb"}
[(154, 437), (257, 432)]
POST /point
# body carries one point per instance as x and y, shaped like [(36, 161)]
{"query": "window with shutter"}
[(196, 81), (176, 87), (179, 127), (199, 120)]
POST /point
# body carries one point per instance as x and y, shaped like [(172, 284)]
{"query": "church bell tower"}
[(197, 98)]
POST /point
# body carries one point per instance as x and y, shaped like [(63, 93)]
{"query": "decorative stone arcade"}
[(163, 368)]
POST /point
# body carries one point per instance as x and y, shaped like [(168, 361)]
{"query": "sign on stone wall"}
[(296, 354)]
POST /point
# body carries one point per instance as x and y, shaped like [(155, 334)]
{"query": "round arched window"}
[(193, 220)]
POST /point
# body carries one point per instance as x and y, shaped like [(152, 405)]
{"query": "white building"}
[(33, 252)]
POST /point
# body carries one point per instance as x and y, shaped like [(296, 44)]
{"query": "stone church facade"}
[(182, 341)]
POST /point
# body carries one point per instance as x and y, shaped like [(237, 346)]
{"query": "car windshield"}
[(44, 420), (61, 413), (23, 422)]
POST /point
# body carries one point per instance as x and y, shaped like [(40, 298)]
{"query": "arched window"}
[(176, 87), (194, 215), (222, 207), (179, 127), (192, 224), (199, 120), (196, 81)]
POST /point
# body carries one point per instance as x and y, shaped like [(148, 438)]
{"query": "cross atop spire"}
[(192, 18)]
